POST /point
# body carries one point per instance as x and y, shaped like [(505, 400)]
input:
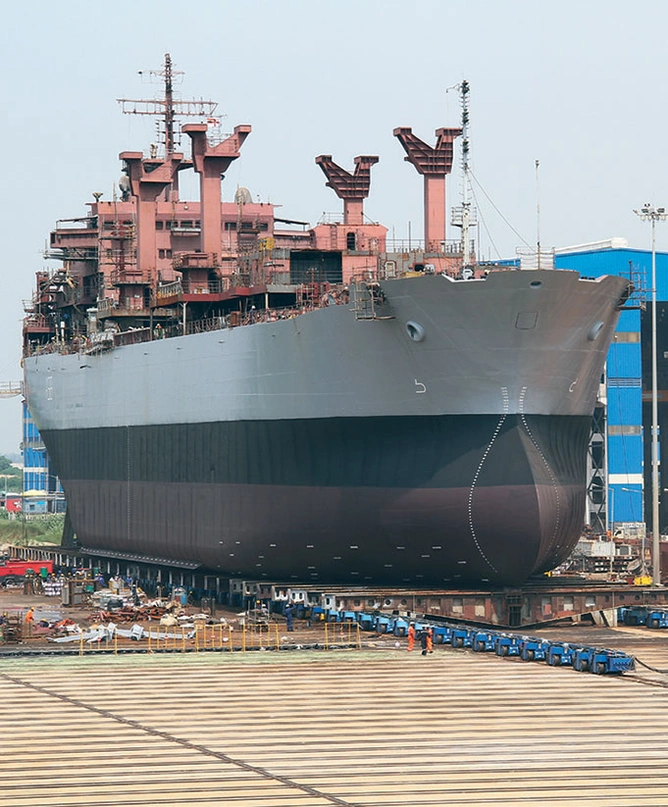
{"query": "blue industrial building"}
[(620, 468), (42, 492)]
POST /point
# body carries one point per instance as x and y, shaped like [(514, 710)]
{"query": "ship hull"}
[(438, 500), (445, 443)]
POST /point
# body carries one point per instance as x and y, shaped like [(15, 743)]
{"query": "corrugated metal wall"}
[(625, 454), (624, 361), (629, 321), (628, 503), (624, 406), (37, 473), (638, 262)]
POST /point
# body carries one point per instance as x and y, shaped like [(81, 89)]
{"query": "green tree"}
[(10, 476)]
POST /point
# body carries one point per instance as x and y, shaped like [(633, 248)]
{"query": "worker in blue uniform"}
[(289, 608)]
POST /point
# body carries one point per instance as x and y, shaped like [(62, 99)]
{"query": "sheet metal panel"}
[(626, 503), (624, 360), (390, 489), (629, 320), (625, 405), (474, 359), (625, 454)]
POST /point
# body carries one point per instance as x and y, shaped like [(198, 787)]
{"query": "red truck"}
[(12, 503), (12, 570)]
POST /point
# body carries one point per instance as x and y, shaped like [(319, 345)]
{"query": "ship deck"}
[(367, 728)]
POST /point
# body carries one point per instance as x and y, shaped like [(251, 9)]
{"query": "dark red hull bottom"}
[(324, 534)]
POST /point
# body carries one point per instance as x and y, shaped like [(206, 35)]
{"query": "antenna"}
[(167, 107), (465, 216)]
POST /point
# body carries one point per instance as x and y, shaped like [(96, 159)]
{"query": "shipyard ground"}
[(372, 727)]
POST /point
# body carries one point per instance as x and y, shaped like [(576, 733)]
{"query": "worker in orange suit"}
[(30, 617), (430, 640), (411, 636), (427, 640)]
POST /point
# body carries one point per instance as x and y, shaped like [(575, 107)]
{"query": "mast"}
[(168, 108), (465, 216), (464, 95)]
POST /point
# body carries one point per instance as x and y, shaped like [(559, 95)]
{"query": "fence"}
[(218, 637)]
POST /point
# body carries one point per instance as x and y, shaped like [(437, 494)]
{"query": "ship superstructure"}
[(270, 399)]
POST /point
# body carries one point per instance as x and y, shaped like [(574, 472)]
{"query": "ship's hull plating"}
[(446, 443), (419, 500)]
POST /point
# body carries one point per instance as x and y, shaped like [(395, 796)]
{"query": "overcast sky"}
[(580, 86)]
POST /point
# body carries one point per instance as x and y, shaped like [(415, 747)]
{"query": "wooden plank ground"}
[(311, 728)]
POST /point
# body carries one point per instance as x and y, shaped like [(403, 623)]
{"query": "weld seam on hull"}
[(499, 425)]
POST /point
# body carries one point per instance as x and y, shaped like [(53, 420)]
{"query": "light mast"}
[(465, 216)]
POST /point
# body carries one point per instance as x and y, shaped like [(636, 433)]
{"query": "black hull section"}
[(416, 500)]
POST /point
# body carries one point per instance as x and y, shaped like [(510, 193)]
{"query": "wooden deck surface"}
[(306, 729)]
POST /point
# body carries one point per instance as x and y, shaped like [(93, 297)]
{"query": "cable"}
[(498, 211), (647, 666), (484, 224)]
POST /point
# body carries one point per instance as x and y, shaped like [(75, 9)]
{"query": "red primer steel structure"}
[(525, 606), (211, 162), (149, 177), (434, 163), (352, 188)]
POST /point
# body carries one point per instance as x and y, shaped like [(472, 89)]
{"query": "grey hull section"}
[(446, 442), (517, 342)]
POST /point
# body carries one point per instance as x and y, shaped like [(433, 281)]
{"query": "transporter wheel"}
[(654, 623), (553, 660), (600, 668), (8, 581), (458, 641), (479, 646), (530, 655), (504, 650)]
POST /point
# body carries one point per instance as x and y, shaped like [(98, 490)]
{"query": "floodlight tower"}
[(654, 214)]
